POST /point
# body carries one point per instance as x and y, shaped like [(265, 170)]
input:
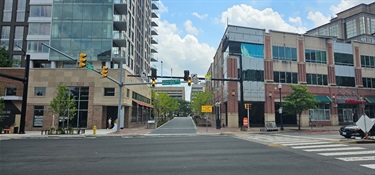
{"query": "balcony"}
[(154, 40), (153, 57), (153, 49), (154, 15), (118, 52), (119, 22), (120, 6), (154, 7), (119, 38), (154, 23), (154, 31)]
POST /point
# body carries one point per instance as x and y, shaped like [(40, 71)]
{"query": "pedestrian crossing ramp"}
[(321, 146)]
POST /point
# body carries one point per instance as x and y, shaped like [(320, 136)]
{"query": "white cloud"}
[(181, 53), (245, 15), (346, 4), (318, 18), (204, 16), (190, 28), (296, 20)]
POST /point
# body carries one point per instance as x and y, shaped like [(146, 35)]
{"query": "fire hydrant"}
[(94, 130)]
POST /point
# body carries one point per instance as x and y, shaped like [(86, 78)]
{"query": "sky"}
[(190, 31)]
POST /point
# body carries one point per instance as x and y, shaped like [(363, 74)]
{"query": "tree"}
[(63, 104), (199, 99), (298, 101), (5, 59), (184, 107)]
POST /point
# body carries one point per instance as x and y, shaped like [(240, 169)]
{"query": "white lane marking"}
[(334, 149), (305, 143), (304, 137), (319, 146), (347, 153), (372, 166), (352, 159)]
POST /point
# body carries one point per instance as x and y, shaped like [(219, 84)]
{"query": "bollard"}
[(94, 130)]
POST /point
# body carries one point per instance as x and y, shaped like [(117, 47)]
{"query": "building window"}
[(109, 91), (17, 60), (18, 38), (320, 114), (21, 7), (315, 56), (36, 47), (5, 35), (38, 116), (372, 25), (40, 91), (40, 11), (345, 81), (127, 92), (351, 28), (367, 61), (284, 53), (252, 50), (7, 13), (368, 82), (253, 75), (39, 28), (334, 30), (285, 77), (10, 91), (344, 59), (316, 79)]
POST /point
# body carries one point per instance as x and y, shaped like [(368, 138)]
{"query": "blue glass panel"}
[(252, 50)]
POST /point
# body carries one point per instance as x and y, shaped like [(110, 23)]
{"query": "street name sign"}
[(206, 108), (170, 82)]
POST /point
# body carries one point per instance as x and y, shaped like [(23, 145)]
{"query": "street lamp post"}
[(281, 109), (218, 124)]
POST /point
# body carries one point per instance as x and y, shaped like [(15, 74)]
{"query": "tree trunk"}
[(299, 121)]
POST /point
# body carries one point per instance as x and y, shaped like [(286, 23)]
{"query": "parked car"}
[(354, 130)]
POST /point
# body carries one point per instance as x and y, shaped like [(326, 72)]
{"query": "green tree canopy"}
[(5, 59), (298, 101), (199, 99), (184, 107), (163, 104), (63, 104)]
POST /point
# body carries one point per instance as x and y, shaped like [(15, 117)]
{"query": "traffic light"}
[(104, 71), (186, 75), (82, 60), (189, 81), (153, 82), (154, 73)]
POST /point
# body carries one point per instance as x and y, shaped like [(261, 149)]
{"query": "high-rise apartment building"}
[(107, 31)]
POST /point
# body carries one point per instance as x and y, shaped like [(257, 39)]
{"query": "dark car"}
[(354, 130)]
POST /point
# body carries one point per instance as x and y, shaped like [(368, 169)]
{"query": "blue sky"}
[(190, 30)]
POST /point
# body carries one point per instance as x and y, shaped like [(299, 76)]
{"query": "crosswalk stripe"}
[(305, 143), (351, 159), (372, 166), (334, 149), (347, 153), (318, 146)]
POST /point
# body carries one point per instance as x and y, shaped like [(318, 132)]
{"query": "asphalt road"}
[(160, 155), (178, 125)]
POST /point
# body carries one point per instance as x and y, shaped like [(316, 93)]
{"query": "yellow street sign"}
[(206, 108)]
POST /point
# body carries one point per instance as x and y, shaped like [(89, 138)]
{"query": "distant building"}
[(195, 88), (354, 24), (177, 92)]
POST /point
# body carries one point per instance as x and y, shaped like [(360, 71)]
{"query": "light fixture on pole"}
[(281, 109), (218, 125)]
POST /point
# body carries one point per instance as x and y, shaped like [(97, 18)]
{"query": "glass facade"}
[(322, 113), (18, 38), (345, 81), (344, 59), (351, 28), (40, 11), (284, 53), (5, 35), (7, 12), (334, 30), (368, 82), (367, 61), (21, 8), (82, 26), (285, 77), (317, 79), (253, 75), (252, 50), (315, 56)]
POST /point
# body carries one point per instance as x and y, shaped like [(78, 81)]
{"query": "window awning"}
[(143, 104), (323, 99), (370, 99)]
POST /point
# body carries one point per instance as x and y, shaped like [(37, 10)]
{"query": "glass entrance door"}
[(347, 115)]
